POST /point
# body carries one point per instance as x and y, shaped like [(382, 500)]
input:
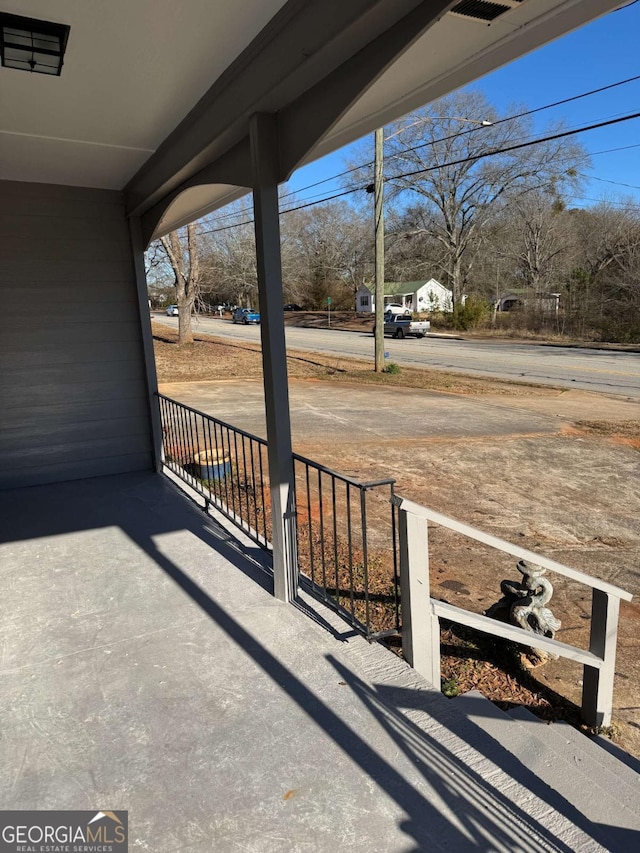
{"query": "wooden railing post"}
[(597, 682), (420, 626)]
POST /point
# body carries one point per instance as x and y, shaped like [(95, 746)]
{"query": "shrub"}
[(475, 313), (450, 687)]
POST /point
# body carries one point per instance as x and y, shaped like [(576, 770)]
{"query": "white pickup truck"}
[(400, 326)]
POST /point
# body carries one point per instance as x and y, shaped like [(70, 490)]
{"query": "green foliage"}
[(433, 301), (611, 732), (450, 687), (392, 368), (604, 305), (475, 313), (623, 328)]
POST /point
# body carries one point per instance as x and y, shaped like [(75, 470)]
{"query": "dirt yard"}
[(554, 471)]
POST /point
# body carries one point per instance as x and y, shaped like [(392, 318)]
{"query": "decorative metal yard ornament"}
[(524, 604)]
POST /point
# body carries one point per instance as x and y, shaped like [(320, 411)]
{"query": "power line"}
[(607, 181), (533, 111), (489, 153), (623, 205), (283, 212), (356, 187), (523, 114), (527, 112), (571, 158), (610, 150), (329, 198)]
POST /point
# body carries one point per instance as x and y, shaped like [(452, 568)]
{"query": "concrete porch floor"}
[(146, 666)]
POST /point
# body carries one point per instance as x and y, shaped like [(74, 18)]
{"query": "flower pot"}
[(211, 465)]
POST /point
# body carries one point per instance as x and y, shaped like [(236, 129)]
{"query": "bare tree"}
[(233, 252), (539, 239), (447, 169), (159, 276), (325, 253), (182, 256), (604, 286), (621, 309)]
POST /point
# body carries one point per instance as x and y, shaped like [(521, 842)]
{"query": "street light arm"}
[(480, 122)]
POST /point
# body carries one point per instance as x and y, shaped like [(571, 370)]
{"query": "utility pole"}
[(378, 195), (378, 184)]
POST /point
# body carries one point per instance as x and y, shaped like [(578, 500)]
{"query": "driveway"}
[(523, 466), (348, 413)]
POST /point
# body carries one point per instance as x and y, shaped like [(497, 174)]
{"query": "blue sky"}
[(603, 52)]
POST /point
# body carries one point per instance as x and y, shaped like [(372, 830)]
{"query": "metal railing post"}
[(597, 682), (420, 626)]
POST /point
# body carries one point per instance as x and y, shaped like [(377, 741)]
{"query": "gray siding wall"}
[(73, 393)]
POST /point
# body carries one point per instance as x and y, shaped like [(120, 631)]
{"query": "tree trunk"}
[(185, 333), (455, 274), (185, 264)]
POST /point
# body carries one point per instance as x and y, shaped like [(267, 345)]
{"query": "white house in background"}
[(413, 295)]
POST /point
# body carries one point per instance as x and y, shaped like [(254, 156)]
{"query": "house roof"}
[(400, 288), (397, 288), (156, 97)]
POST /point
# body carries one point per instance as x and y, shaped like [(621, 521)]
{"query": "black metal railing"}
[(345, 530), (224, 464), (351, 538), (345, 544)]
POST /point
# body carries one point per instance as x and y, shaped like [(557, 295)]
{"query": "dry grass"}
[(619, 429), (209, 359)]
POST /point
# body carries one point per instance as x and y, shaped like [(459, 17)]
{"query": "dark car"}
[(292, 307)]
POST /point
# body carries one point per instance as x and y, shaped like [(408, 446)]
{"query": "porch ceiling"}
[(139, 77), (132, 71)]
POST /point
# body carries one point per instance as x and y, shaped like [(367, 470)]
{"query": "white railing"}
[(421, 613)]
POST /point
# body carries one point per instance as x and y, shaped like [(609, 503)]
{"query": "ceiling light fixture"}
[(30, 45)]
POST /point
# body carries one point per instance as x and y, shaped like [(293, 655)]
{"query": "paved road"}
[(586, 369)]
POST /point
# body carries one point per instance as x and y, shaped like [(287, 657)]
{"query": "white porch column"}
[(137, 249), (265, 163)]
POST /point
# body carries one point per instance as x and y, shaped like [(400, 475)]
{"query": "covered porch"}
[(146, 117), (146, 662), (147, 666)]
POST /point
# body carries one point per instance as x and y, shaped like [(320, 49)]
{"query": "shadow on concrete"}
[(484, 812), (457, 808), (488, 817)]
